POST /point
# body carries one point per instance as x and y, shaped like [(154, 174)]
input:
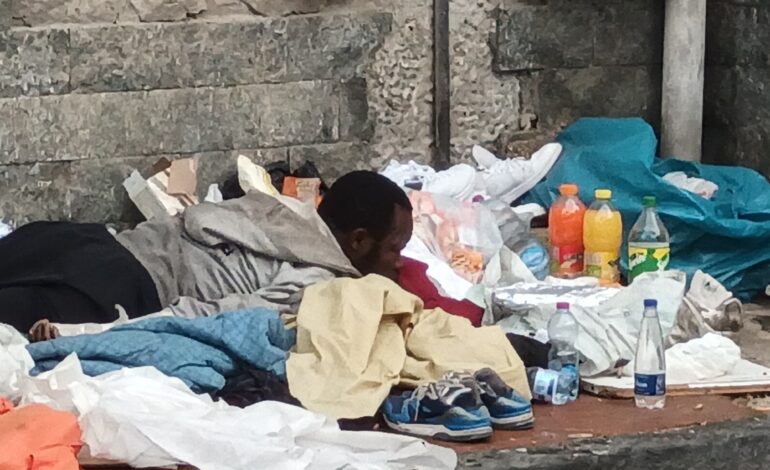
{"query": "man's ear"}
[(360, 240)]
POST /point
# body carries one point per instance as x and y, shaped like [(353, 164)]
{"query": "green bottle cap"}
[(648, 201)]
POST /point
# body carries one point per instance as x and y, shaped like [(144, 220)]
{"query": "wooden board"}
[(747, 378)]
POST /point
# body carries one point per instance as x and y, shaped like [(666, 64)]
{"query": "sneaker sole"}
[(442, 432), (514, 423)]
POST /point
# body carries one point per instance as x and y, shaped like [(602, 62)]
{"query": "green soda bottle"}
[(649, 245)]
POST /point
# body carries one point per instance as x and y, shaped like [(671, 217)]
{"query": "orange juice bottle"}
[(602, 238), (565, 231)]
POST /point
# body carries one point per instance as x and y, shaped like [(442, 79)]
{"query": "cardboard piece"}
[(183, 178)]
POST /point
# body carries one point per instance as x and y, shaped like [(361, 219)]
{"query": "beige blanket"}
[(357, 338)]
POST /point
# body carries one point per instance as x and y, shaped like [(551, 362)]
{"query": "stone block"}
[(171, 121), (719, 94), (69, 127), (719, 145), (296, 114), (531, 37), (5, 15), (354, 111), (752, 97), (46, 12), (8, 110), (325, 47), (284, 7), (629, 33), (97, 193), (752, 143), (33, 192), (334, 160), (34, 62), (568, 94), (226, 8), (168, 10), (158, 56)]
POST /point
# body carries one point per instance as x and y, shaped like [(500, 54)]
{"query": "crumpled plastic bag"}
[(706, 308), (15, 361), (463, 234), (609, 318), (145, 419), (705, 358)]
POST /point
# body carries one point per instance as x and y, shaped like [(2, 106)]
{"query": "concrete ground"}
[(702, 432), (706, 432)]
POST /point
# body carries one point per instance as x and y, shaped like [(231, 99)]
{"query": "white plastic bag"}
[(15, 361), (609, 318), (145, 419)]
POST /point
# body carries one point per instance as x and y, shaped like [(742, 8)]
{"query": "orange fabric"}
[(37, 437)]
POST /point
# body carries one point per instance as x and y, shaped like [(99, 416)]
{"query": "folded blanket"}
[(202, 352)]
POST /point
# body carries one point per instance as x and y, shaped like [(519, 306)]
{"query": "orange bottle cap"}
[(568, 190)]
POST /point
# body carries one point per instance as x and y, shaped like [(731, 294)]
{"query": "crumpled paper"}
[(145, 419)]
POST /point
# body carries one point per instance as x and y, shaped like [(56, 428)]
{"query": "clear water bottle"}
[(649, 246), (548, 385), (650, 364), (563, 356)]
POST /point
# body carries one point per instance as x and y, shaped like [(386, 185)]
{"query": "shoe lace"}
[(516, 165)]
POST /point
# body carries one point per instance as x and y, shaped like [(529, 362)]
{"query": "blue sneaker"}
[(437, 410), (507, 408)]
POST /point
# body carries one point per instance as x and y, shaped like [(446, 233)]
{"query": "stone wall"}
[(737, 102), (92, 88)]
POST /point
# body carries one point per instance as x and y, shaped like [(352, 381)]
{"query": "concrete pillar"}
[(684, 47)]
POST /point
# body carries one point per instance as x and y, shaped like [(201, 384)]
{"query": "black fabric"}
[(253, 386), (70, 273), (532, 352)]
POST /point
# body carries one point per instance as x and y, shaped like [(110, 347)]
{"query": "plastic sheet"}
[(726, 237)]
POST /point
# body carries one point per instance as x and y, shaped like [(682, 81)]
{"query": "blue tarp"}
[(203, 352), (727, 237)]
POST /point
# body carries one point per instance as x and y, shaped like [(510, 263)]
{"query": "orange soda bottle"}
[(565, 231)]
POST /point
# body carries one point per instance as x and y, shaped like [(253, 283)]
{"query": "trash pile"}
[(628, 292)]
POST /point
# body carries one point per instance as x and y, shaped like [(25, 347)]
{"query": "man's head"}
[(371, 218)]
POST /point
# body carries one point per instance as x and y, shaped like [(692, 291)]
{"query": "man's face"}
[(381, 257)]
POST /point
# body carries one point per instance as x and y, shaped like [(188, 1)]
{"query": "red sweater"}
[(413, 277)]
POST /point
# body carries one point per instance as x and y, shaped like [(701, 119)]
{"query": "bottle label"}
[(650, 385), (545, 385), (647, 260), (567, 260), (603, 265)]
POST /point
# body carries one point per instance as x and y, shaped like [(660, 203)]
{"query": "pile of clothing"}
[(155, 392)]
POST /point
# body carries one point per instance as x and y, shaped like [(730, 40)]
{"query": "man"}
[(247, 252)]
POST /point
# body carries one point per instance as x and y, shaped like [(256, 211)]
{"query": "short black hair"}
[(362, 199)]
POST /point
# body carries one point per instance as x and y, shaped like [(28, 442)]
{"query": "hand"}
[(43, 330)]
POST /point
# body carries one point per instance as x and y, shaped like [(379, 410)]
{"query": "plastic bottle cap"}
[(649, 201), (568, 190), (603, 194), (562, 305), (650, 303)]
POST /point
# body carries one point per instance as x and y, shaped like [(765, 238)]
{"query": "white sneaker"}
[(410, 173), (458, 182), (508, 180), (484, 157)]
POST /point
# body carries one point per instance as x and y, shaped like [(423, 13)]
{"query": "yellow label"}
[(646, 259), (604, 265)]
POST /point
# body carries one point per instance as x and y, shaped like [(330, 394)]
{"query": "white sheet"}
[(144, 418)]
